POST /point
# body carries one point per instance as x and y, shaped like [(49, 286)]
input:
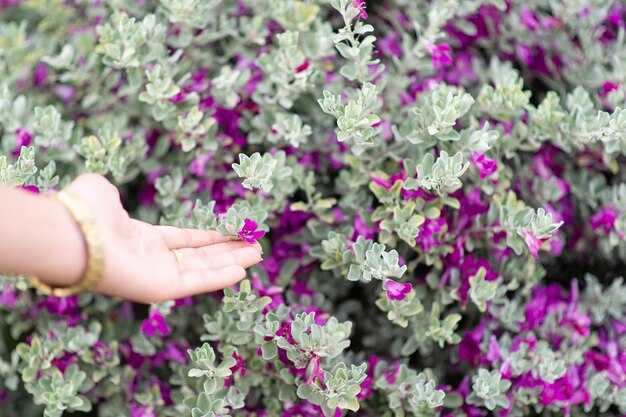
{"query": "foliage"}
[(439, 188)]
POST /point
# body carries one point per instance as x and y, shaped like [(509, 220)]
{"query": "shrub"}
[(441, 185)]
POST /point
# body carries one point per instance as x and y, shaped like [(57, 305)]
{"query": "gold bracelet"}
[(95, 250)]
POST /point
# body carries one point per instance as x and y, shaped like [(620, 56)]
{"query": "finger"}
[(177, 238), (206, 258), (197, 282), (218, 248)]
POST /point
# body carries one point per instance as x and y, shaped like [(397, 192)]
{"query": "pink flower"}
[(30, 188), (604, 219), (486, 166), (147, 195), (533, 242), (316, 371), (40, 75), (528, 18), (240, 365), (65, 92), (440, 54), (249, 233), (304, 66), (493, 354), (390, 46), (156, 322), (607, 87), (64, 361), (8, 296), (360, 6), (198, 165), (22, 138), (178, 97), (362, 229), (397, 290), (141, 411)]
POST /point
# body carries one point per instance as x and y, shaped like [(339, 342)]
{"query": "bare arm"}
[(38, 236)]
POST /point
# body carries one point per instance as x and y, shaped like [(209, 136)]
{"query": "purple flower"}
[(40, 74), (8, 296), (240, 365), (390, 46), (304, 66), (147, 195), (486, 166), (316, 371), (469, 347), (141, 411), (396, 290), (64, 361), (528, 18), (65, 92), (249, 233), (360, 6), (178, 97), (533, 242), (604, 219), (101, 353), (22, 138), (440, 54), (607, 87), (30, 188), (198, 165), (155, 322), (362, 229), (493, 354), (63, 306), (426, 238)]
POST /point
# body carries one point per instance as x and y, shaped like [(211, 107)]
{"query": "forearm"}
[(38, 236)]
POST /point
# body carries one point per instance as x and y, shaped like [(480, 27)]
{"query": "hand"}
[(139, 262)]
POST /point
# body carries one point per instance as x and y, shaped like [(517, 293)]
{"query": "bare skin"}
[(38, 236)]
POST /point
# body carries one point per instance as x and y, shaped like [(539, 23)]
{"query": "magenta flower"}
[(198, 165), (101, 353), (8, 296), (440, 54), (141, 411), (607, 87), (362, 229), (486, 166), (604, 219), (240, 365), (533, 242), (316, 370), (30, 188), (40, 74), (22, 138), (390, 45), (249, 233), (397, 290), (64, 361), (178, 97), (360, 6), (156, 322), (64, 92), (528, 18), (493, 353), (147, 195), (304, 66)]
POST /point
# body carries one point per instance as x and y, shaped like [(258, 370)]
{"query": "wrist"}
[(64, 251)]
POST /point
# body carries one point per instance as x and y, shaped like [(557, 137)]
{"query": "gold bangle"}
[(95, 250)]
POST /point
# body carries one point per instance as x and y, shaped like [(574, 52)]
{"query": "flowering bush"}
[(438, 186)]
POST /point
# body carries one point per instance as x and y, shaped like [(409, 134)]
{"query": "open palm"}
[(139, 262)]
